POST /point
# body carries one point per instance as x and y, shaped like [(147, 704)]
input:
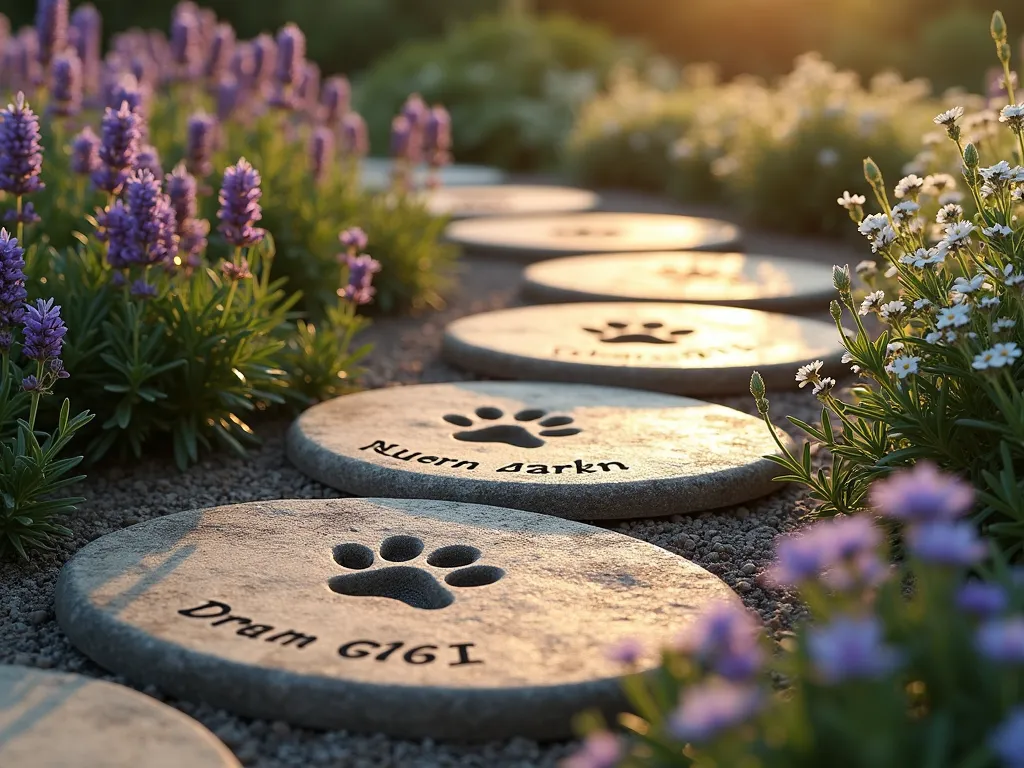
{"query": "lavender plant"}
[(942, 380), (875, 678)]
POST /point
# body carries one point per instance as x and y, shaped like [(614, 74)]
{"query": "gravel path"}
[(735, 543)]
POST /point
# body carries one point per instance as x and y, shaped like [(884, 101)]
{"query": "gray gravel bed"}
[(735, 543)]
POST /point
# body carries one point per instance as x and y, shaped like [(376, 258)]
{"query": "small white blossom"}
[(891, 271), (909, 185), (934, 337), (806, 374), (1014, 280), (951, 336), (988, 302), (965, 286), (847, 358), (922, 304), (997, 230), (903, 366), (1013, 115), (851, 202), (1001, 171), (892, 309), (1017, 194), (871, 301), (893, 347), (954, 196), (1003, 324), (904, 210), (867, 267), (937, 183), (949, 213), (884, 237), (958, 233), (949, 117), (872, 224), (1005, 354), (824, 386), (957, 315), (984, 360)]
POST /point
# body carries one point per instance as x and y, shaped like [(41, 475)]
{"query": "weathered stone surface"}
[(415, 618), (375, 174), (575, 451), (470, 202), (531, 238), (55, 720), (687, 349), (726, 279)]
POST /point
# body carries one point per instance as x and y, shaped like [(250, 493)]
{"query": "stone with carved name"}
[(57, 720), (409, 617), (728, 279), (470, 202), (575, 451), (687, 349), (375, 174), (532, 238)]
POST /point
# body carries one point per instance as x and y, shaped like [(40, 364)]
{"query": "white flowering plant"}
[(943, 378)]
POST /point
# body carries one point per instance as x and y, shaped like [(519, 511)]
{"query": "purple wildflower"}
[(308, 89), (240, 205), (336, 98), (291, 55), (946, 543), (27, 216), (181, 190), (708, 709), (140, 230), (354, 239), (227, 96), (88, 41), (185, 43), (126, 88), (628, 651), (1002, 640), (192, 239), (354, 135), (149, 159), (44, 332), (12, 286), (27, 67), (31, 383), (66, 83), (200, 136), (850, 648), (842, 552), (321, 152), (361, 270), (922, 494), (1007, 740), (236, 272), (415, 110), (118, 147), (51, 28), (982, 599), (21, 154), (600, 750), (438, 136), (402, 145), (222, 50), (264, 58), (725, 639), (85, 152), (142, 290)]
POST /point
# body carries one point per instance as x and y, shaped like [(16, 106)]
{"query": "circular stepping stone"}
[(412, 618), (531, 238), (375, 174), (727, 279), (56, 720), (574, 451), (690, 349), (507, 199)]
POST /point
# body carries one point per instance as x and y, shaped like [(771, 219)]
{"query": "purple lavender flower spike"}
[(149, 159), (142, 290), (88, 42), (12, 287), (726, 640), (29, 69), (354, 239), (599, 750), (415, 110), (185, 43), (308, 90), (192, 235), (981, 599), (140, 230), (66, 83), (946, 543), (227, 95), (438, 137), (181, 191), (361, 270), (51, 28), (336, 99), (240, 205), (119, 145), (200, 138), (27, 216), (126, 89), (44, 331), (222, 50), (849, 649), (707, 709), (628, 651), (21, 154), (1007, 740), (354, 135), (401, 139), (922, 494), (1002, 640), (236, 272), (321, 152), (291, 55), (85, 152), (264, 51), (841, 552)]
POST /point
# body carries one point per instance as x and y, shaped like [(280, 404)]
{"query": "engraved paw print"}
[(629, 333), (694, 271), (414, 585), (520, 435), (587, 232)]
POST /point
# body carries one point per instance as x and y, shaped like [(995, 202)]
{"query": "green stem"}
[(35, 400), (21, 224)]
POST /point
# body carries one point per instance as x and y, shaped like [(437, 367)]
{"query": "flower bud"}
[(998, 28), (835, 308), (841, 278), (757, 388), (871, 172), (971, 158)]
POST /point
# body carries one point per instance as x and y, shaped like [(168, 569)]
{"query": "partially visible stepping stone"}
[(531, 238), (575, 451), (413, 618), (690, 349), (375, 174), (508, 199), (56, 720), (728, 279)]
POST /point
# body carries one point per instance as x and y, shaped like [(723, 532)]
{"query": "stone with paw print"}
[(421, 619), (571, 450)]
